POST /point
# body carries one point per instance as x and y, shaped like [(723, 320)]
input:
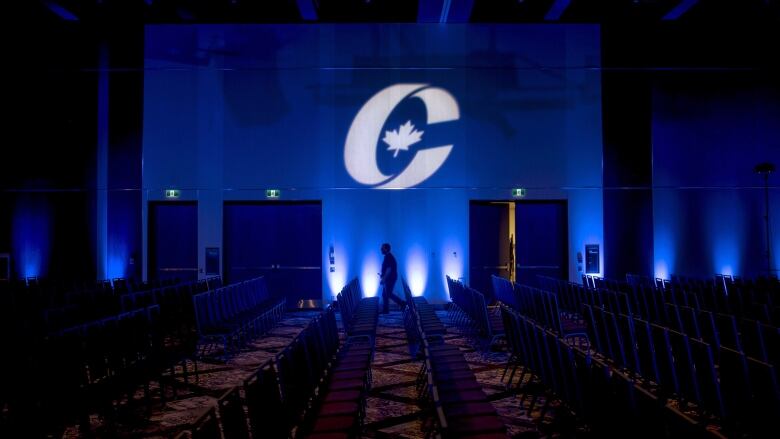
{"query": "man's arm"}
[(385, 274)]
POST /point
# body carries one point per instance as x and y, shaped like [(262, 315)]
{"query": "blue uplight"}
[(31, 243), (726, 256), (661, 269), (664, 251), (117, 265), (726, 229), (417, 270), (369, 278)]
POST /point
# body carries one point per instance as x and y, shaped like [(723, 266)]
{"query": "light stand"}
[(765, 169)]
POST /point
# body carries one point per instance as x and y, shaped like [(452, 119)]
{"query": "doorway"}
[(173, 241), (517, 240), (491, 243), (281, 241)]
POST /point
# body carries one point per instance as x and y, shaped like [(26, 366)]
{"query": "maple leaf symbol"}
[(402, 138)]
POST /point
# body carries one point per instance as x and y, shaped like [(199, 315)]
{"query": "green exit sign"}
[(273, 193), (518, 192), (172, 193)]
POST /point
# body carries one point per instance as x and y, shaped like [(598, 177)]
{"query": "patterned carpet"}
[(392, 407), (193, 397)]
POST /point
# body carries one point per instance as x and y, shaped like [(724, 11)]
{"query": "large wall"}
[(232, 110), (709, 130), (47, 160), (70, 181), (220, 112)]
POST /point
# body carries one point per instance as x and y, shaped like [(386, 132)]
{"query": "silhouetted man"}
[(389, 277)]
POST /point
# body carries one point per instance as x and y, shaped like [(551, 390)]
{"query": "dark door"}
[(281, 241), (173, 241), (489, 244), (541, 228)]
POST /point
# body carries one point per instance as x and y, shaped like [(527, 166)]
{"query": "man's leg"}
[(393, 297), (385, 299)]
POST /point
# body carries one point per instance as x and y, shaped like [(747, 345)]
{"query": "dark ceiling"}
[(635, 33), (475, 11)]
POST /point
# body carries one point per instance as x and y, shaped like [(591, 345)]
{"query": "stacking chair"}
[(684, 366), (647, 365), (231, 415), (765, 404), (728, 332), (711, 397), (629, 344), (709, 330), (264, 404), (736, 387), (664, 360), (491, 323)]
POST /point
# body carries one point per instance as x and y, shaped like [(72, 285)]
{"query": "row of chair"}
[(228, 419), (88, 368), (541, 306), (45, 293), (419, 316), (762, 289), (315, 387), (88, 350), (282, 396), (94, 306), (718, 381), (156, 296), (100, 363), (753, 337), (358, 314), (324, 385), (340, 407), (607, 400), (757, 299), (447, 384), (545, 361), (714, 300), (571, 296), (761, 285), (757, 338), (50, 302), (235, 314), (471, 312)]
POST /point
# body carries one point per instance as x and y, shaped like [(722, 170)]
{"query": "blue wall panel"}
[(172, 229), (709, 131), (541, 241), (287, 236)]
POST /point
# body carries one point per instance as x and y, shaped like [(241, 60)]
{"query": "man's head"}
[(385, 248)]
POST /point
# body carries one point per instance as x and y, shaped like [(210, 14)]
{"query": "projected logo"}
[(361, 147)]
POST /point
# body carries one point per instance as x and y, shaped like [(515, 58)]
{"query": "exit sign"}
[(518, 192), (273, 193), (172, 193)]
